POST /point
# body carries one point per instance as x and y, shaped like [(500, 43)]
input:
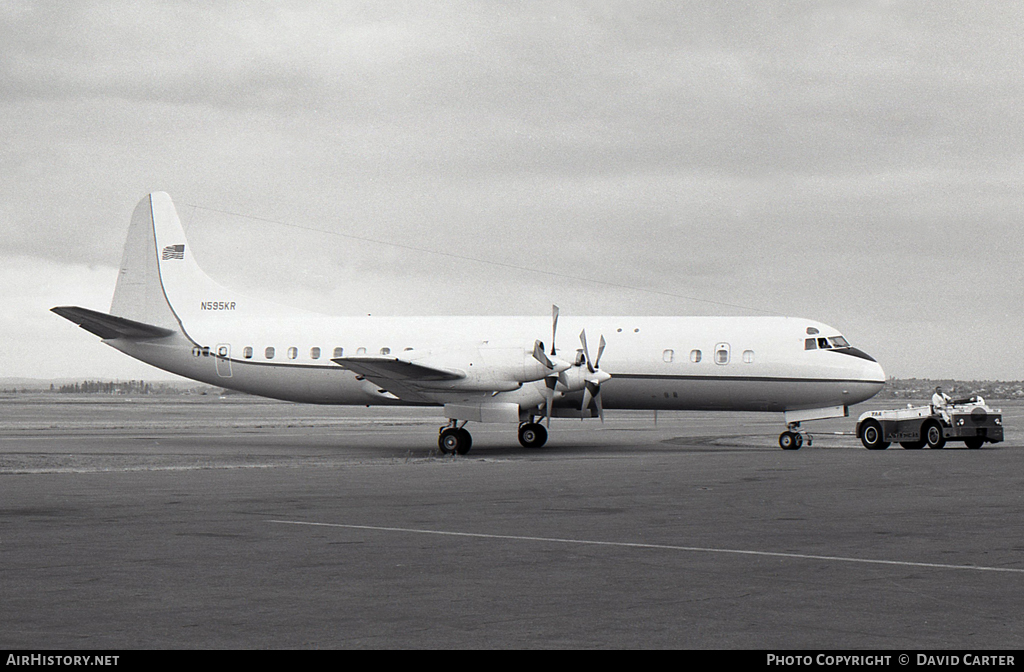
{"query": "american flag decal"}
[(173, 252)]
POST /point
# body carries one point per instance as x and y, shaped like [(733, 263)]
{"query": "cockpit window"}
[(825, 343)]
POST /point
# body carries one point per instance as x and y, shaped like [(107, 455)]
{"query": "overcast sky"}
[(858, 163)]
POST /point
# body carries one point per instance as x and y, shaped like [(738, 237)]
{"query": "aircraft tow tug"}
[(969, 420)]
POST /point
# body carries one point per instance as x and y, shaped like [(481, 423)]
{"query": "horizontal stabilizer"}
[(393, 368), (110, 326)]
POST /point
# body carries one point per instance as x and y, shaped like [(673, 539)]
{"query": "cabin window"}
[(314, 353), (360, 351), (695, 356), (339, 352), (748, 356), (293, 352), (810, 344), (269, 352), (247, 352), (385, 351), (722, 353), (668, 355)]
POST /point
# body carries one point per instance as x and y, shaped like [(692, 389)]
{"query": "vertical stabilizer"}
[(139, 294), (161, 284)]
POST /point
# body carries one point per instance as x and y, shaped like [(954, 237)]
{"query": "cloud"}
[(795, 158)]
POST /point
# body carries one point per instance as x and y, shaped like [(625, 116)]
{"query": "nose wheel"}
[(793, 438)]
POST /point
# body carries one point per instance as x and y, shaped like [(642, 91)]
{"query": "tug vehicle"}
[(968, 420)]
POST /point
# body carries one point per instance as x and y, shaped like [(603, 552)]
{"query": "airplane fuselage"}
[(671, 363)]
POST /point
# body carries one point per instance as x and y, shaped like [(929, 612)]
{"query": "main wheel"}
[(933, 437), (532, 435), (454, 440), (975, 442), (871, 436), (912, 445)]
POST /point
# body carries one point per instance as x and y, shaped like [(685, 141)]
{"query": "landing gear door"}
[(223, 358)]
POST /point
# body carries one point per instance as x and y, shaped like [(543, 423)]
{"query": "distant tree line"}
[(129, 387), (922, 388), (98, 387)]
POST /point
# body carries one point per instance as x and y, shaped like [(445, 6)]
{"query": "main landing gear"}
[(455, 439), (793, 437), (532, 435)]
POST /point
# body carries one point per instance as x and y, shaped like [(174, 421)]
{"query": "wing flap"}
[(110, 326)]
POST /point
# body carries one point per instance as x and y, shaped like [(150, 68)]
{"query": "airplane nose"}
[(877, 373), (874, 378), (868, 380)]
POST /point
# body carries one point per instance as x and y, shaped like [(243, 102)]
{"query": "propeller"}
[(595, 376), (555, 365), (559, 371)]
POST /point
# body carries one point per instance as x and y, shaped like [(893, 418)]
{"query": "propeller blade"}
[(549, 383), (538, 354), (554, 326), (586, 350), (600, 351)]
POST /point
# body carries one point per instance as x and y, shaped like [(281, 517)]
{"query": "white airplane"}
[(168, 313)]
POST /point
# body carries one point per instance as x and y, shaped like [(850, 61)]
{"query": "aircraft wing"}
[(392, 368), (109, 326), (405, 380)]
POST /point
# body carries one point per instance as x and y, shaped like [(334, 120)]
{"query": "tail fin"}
[(139, 294), (160, 282)]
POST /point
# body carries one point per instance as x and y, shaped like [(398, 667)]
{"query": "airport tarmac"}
[(202, 523)]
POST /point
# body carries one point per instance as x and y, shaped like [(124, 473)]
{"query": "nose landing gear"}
[(793, 438)]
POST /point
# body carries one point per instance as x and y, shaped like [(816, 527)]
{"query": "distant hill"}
[(922, 388)]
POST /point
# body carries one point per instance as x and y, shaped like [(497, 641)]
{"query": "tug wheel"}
[(933, 437), (871, 436)]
